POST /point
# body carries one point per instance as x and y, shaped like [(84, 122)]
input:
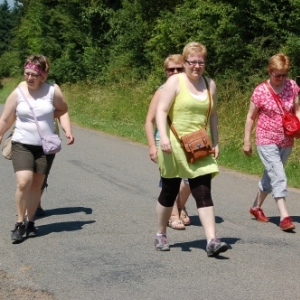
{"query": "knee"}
[(204, 202), (23, 186), (266, 188), (166, 201)]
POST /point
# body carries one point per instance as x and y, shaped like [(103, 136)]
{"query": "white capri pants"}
[(274, 178)]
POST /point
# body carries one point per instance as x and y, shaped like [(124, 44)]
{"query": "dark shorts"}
[(31, 158)]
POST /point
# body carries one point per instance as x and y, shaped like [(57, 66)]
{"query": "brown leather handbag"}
[(196, 144)]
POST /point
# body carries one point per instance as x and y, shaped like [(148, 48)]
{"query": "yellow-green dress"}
[(187, 115)]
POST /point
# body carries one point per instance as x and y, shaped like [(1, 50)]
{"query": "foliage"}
[(121, 45), (127, 40)]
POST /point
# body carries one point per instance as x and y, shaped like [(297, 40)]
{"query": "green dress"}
[(187, 115)]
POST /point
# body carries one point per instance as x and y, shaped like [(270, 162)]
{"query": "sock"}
[(160, 234)]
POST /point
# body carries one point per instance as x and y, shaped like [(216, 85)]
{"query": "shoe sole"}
[(31, 235), (222, 249), (17, 241), (176, 228), (162, 249), (262, 221), (288, 229)]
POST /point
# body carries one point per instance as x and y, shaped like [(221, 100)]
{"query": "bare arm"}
[(149, 124), (166, 98), (59, 103), (251, 116), (214, 119), (296, 107), (9, 113), (65, 123)]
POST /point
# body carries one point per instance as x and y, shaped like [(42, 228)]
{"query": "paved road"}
[(96, 241)]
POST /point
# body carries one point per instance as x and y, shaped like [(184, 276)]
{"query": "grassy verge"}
[(121, 110)]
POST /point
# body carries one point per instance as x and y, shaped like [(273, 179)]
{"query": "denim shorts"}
[(274, 178)]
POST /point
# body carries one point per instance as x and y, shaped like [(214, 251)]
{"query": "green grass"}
[(121, 109)]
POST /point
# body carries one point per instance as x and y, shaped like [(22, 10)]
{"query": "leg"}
[(183, 195), (34, 195), (201, 190), (260, 198), (40, 212), (256, 209), (27, 197), (274, 159), (165, 203), (166, 199), (174, 220), (24, 182)]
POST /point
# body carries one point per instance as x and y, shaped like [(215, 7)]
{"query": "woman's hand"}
[(165, 145), (216, 151), (153, 153), (70, 138), (247, 148)]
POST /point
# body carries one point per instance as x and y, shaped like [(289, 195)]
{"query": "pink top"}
[(269, 128)]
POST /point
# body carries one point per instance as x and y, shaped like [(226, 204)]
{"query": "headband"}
[(35, 68)]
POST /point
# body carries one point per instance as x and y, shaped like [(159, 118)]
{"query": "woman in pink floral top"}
[(273, 146)]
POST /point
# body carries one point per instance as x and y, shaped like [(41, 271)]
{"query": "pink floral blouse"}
[(269, 128)]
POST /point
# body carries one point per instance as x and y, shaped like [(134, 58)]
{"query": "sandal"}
[(175, 223), (184, 217)]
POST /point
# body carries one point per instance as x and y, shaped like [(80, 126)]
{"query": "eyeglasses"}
[(27, 74), (173, 70), (194, 63), (279, 75)]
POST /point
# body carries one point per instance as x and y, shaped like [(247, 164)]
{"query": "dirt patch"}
[(9, 290)]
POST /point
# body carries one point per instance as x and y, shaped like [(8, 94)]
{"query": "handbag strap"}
[(207, 114), (275, 96), (31, 108)]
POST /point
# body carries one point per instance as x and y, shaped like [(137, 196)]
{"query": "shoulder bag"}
[(196, 144), (290, 122), (51, 143), (6, 148)]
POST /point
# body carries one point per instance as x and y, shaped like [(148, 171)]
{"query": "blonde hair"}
[(175, 58), (279, 61), (194, 48)]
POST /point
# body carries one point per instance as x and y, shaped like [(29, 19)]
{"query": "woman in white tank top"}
[(30, 163)]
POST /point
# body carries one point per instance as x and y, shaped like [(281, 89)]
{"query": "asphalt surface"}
[(96, 240)]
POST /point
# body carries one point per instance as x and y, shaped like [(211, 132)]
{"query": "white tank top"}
[(26, 131)]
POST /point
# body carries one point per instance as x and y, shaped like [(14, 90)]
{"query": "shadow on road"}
[(276, 221), (66, 211), (62, 226), (201, 244), (196, 222)]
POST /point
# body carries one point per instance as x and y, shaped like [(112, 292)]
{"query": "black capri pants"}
[(200, 189)]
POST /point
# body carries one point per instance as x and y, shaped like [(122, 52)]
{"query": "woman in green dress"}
[(185, 99)]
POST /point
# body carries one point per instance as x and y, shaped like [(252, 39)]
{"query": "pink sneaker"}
[(258, 214)]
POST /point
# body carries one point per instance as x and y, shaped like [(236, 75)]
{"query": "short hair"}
[(194, 48), (279, 61), (41, 61), (176, 58)]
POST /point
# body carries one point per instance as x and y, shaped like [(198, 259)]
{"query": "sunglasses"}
[(173, 69), (279, 75)]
